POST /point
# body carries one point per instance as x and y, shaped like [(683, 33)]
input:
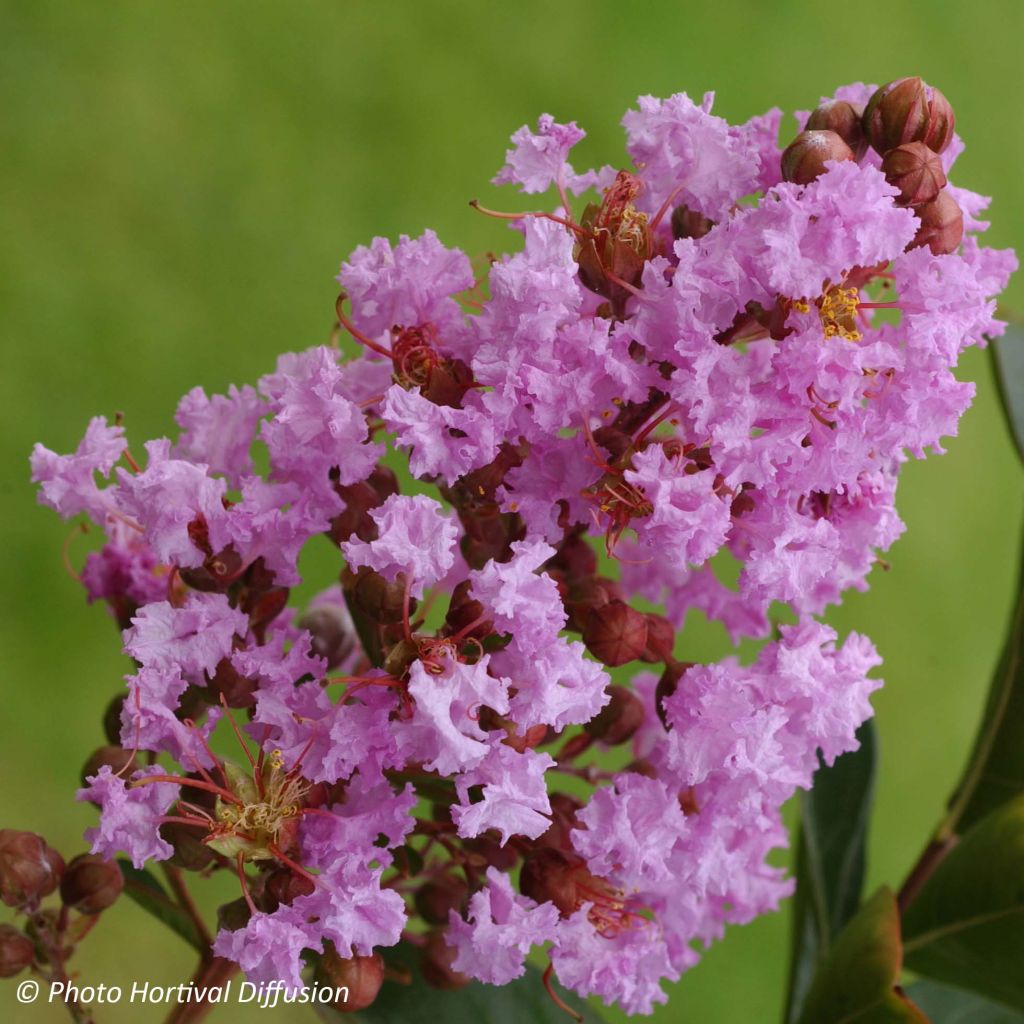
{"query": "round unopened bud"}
[(575, 559), (661, 638), (687, 223), (112, 719), (29, 868), (283, 886), (615, 633), (463, 611), (803, 160), (238, 691), (942, 225), (916, 171), (449, 381), (91, 884), (844, 119), (674, 671), (234, 915), (486, 851), (619, 719), (587, 593), (564, 818), (941, 121), (436, 960), (434, 899), (116, 757), (379, 599), (362, 976), (547, 875), (330, 626), (190, 852), (896, 113), (16, 951)]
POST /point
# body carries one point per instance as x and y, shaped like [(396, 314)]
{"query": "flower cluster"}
[(692, 392)]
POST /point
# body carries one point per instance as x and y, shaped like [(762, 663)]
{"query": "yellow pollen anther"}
[(838, 311)]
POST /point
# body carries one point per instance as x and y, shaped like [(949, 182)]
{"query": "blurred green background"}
[(178, 184)]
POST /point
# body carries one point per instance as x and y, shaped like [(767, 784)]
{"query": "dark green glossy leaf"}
[(524, 1001), (855, 983), (829, 860), (1008, 357), (965, 925), (995, 769), (147, 891), (943, 1004)]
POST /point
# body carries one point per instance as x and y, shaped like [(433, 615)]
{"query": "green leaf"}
[(856, 982), (524, 1000), (1008, 359), (829, 859), (965, 925), (995, 769), (943, 1004), (147, 891)]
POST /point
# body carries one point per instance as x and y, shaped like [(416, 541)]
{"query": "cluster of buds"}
[(907, 125), (672, 382), (30, 871)]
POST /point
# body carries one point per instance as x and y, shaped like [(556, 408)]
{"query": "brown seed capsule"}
[(615, 633), (117, 757), (619, 719), (942, 225), (842, 118), (436, 964), (916, 171), (687, 223), (16, 951), (803, 160), (91, 884), (334, 636), (548, 875), (362, 976), (29, 868), (435, 899)]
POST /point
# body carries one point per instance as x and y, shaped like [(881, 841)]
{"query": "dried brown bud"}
[(434, 899), (687, 223), (334, 637), (942, 225), (907, 110), (117, 757), (190, 852), (29, 868), (916, 171), (436, 964), (804, 158), (548, 874), (377, 598), (361, 975), (842, 118), (619, 719), (91, 884), (615, 633), (16, 951)]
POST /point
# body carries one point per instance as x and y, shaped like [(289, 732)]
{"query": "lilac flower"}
[(219, 431), (539, 159)]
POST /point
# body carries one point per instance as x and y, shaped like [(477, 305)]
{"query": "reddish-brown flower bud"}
[(190, 852), (362, 976), (615, 633), (91, 884), (112, 720), (283, 886), (587, 593), (484, 851), (29, 868), (575, 559), (434, 899), (907, 110), (687, 223), (117, 757), (842, 118), (331, 629), (804, 158), (619, 719), (548, 874), (463, 611), (564, 819), (399, 657), (916, 171), (436, 960), (16, 951), (376, 597), (448, 383), (237, 690), (661, 638), (942, 225), (234, 915)]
